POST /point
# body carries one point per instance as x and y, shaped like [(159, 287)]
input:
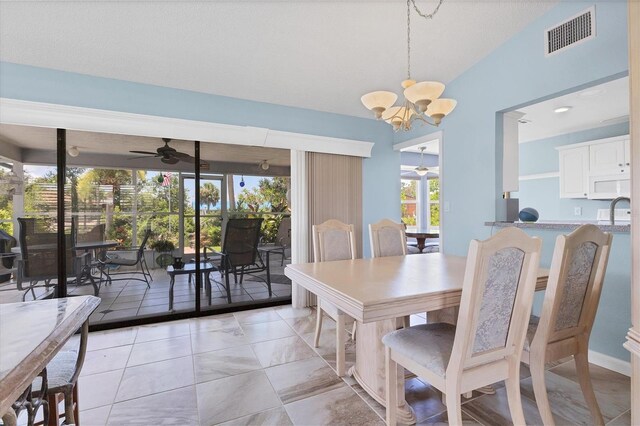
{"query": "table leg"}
[(420, 243), (207, 284), (369, 370), (171, 283), (268, 273)]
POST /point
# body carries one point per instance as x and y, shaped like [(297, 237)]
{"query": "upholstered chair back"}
[(497, 296), (387, 239), (333, 240), (575, 283)]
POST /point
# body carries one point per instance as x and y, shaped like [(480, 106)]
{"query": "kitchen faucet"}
[(612, 208)]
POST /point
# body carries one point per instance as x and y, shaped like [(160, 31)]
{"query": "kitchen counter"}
[(563, 225)]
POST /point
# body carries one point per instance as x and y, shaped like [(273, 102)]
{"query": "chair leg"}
[(54, 416), (454, 408), (76, 404), (341, 340), (540, 390), (512, 384), (69, 417), (316, 340), (584, 377), (391, 388)]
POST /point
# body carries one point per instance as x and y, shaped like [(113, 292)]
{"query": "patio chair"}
[(39, 258), (334, 240), (283, 239), (139, 262), (239, 252), (570, 303), (486, 345)]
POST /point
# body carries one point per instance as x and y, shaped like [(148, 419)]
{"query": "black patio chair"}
[(139, 261), (38, 264), (239, 254)]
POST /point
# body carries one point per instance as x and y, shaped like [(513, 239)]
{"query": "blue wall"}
[(381, 186), (514, 75), (540, 156)]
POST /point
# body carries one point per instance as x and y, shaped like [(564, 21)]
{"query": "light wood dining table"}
[(375, 292)]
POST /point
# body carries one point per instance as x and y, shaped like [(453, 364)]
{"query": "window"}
[(409, 200)]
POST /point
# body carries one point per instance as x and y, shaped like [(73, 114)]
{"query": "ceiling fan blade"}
[(144, 152), (142, 156), (169, 160), (183, 157)]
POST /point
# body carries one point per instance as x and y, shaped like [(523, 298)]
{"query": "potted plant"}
[(164, 248)]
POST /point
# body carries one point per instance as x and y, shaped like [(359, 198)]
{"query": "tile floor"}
[(257, 367)]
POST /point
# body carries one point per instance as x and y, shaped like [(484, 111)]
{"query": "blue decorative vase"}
[(529, 214)]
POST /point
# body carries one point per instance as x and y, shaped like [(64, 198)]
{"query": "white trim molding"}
[(610, 363), (419, 140), (535, 176), (39, 114)]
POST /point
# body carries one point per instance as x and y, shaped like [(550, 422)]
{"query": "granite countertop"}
[(562, 225)]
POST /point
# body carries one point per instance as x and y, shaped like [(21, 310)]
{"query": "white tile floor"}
[(257, 367)]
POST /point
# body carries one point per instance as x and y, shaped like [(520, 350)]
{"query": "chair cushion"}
[(60, 370), (120, 261), (429, 345), (531, 331)]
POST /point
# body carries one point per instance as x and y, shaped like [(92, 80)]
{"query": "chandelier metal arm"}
[(426, 15)]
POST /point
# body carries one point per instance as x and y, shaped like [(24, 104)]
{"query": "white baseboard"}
[(610, 363)]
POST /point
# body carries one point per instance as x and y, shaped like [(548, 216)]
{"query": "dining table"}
[(421, 236), (31, 333), (376, 292)]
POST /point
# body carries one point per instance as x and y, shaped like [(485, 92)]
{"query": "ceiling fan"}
[(167, 154)]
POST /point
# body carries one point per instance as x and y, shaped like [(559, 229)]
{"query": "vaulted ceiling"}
[(321, 55)]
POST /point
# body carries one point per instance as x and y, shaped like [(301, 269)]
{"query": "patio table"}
[(189, 268)]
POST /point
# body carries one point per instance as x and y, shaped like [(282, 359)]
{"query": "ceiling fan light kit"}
[(421, 99)]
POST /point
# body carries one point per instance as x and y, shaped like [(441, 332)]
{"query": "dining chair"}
[(387, 238), (570, 303), (62, 380), (486, 345), (334, 240)]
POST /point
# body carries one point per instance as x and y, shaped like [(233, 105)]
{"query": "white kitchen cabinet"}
[(608, 158), (627, 153), (574, 172)]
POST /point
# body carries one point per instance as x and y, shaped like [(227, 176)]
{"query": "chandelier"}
[(421, 100)]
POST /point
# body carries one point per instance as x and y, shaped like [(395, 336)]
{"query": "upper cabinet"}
[(574, 172), (609, 158), (597, 170)]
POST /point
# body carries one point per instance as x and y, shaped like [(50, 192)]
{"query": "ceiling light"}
[(562, 109), (590, 92), (421, 170), (73, 151), (264, 165), (421, 100)]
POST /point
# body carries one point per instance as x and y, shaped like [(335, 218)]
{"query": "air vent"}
[(581, 27)]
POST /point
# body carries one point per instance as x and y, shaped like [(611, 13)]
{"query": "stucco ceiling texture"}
[(320, 55)]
